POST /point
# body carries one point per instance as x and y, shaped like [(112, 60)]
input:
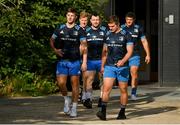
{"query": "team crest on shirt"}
[(75, 33), (136, 30), (101, 33), (93, 37), (121, 38), (62, 32), (67, 36), (88, 34)]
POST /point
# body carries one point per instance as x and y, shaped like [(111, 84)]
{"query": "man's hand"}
[(102, 70), (59, 52), (147, 59), (83, 67), (119, 63)]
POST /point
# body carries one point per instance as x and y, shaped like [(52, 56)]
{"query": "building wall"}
[(169, 43)]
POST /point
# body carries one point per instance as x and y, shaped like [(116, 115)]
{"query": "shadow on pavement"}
[(49, 109)]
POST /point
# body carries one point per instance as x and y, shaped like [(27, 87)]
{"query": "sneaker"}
[(121, 116), (133, 97), (73, 112), (88, 103), (67, 104), (83, 101), (101, 115)]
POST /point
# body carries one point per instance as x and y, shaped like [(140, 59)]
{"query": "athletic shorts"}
[(94, 65), (121, 73), (65, 67), (134, 61)]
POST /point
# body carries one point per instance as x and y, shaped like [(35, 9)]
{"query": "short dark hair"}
[(71, 10), (114, 19), (94, 14), (131, 15)]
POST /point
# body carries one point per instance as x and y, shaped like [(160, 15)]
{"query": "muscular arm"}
[(104, 57), (147, 50), (52, 41), (83, 51), (57, 51)]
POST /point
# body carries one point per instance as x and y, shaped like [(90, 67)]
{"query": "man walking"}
[(137, 34), (70, 36), (117, 50)]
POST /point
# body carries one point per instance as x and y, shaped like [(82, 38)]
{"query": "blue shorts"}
[(65, 67), (121, 73), (94, 65), (134, 61)]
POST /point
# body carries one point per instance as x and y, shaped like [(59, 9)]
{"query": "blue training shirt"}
[(95, 42), (69, 41), (116, 44), (137, 34)]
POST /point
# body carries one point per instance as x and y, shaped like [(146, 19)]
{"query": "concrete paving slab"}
[(155, 105)]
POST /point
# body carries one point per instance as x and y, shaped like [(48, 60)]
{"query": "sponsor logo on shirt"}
[(69, 39), (134, 36), (114, 45)]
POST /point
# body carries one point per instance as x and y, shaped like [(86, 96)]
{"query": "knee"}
[(124, 90), (61, 84), (134, 74), (105, 94)]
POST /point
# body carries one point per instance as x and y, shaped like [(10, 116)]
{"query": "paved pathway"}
[(155, 105)]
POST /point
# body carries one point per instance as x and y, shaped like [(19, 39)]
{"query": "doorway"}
[(146, 15)]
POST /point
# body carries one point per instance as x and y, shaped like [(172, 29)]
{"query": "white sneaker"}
[(73, 112), (67, 104), (133, 97)]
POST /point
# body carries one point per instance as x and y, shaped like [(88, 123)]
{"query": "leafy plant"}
[(27, 63)]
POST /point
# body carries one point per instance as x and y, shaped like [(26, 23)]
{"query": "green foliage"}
[(27, 62), (27, 84)]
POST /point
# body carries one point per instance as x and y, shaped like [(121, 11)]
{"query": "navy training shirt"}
[(116, 44), (137, 34), (95, 42), (69, 41)]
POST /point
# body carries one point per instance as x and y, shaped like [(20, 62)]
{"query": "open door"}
[(147, 15)]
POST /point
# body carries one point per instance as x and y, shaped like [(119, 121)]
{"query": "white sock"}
[(74, 105), (66, 98)]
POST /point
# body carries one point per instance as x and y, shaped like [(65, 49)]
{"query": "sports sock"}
[(133, 91)]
